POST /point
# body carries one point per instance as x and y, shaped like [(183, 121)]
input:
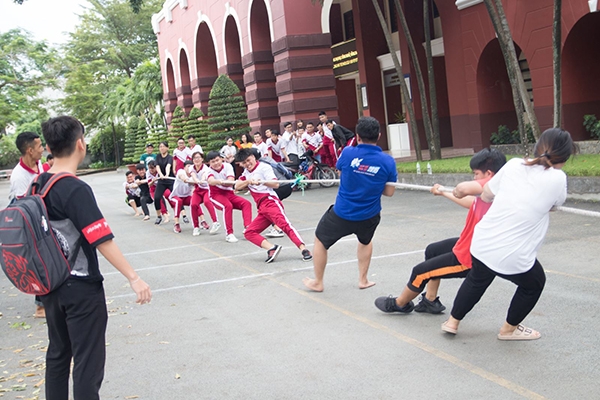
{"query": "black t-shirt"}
[(144, 189), (71, 198), (162, 162)]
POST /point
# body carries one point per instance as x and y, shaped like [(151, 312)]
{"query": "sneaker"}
[(185, 219), (273, 253), (274, 232), (214, 228), (388, 305), (428, 306), (231, 238), (196, 232), (204, 225), (306, 256), (176, 228), (146, 217), (158, 221)]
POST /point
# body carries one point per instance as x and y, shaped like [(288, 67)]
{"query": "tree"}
[(9, 154), (197, 127), (158, 132), (435, 122), (130, 140), (27, 67), (101, 145), (227, 112), (177, 124), (141, 138), (556, 62), (519, 90)]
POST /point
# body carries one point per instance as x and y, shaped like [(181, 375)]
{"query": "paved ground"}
[(223, 324)]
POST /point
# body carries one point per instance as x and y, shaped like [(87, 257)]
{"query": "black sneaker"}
[(273, 253), (431, 307), (388, 305), (185, 219), (306, 256), (158, 221)]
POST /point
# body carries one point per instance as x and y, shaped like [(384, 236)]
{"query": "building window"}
[(393, 16), (349, 25)]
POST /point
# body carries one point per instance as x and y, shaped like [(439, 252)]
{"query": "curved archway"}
[(184, 92), (207, 68), (494, 92), (580, 83), (259, 74), (170, 96), (263, 8), (170, 75), (233, 51)]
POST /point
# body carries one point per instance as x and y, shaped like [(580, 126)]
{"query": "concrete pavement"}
[(225, 325)]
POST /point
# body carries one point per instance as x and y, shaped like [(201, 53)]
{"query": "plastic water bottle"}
[(418, 168), (428, 169)]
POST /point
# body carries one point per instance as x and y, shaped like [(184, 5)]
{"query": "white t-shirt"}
[(313, 140), (509, 235), (262, 147), (201, 176), (228, 151), (261, 172), (21, 178), (181, 188), (197, 148), (181, 154), (291, 144), (222, 175), (275, 147)]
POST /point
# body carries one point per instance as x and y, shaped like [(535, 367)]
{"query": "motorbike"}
[(310, 168)]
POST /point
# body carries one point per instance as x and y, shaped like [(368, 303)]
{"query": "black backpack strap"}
[(46, 188)]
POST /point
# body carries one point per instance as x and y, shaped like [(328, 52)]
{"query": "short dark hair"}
[(275, 132), (151, 164), (140, 167), (25, 140), (128, 173), (61, 134), (180, 138), (554, 146), (49, 157), (188, 162), (329, 121), (243, 154), (322, 113), (367, 128), (488, 160), (164, 143), (286, 124), (191, 137), (197, 152), (149, 145), (309, 123), (212, 155)]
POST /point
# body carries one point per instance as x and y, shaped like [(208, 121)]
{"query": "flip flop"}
[(521, 333), (448, 329)]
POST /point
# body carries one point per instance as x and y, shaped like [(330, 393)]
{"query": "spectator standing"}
[(148, 155), (49, 162)]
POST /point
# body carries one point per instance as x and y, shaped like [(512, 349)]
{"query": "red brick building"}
[(292, 59)]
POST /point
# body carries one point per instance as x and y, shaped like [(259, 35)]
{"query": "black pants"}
[(161, 186), (76, 316), (440, 263), (530, 285), (145, 200)]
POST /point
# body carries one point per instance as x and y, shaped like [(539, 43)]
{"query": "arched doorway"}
[(580, 83), (259, 75), (233, 52), (184, 92), (494, 93), (170, 95), (206, 67)]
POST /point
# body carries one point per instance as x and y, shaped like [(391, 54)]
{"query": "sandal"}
[(521, 333)]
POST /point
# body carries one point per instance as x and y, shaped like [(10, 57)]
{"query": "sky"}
[(45, 19)]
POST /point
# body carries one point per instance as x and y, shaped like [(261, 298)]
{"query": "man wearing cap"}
[(149, 155)]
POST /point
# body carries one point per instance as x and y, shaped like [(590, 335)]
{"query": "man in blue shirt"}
[(364, 171)]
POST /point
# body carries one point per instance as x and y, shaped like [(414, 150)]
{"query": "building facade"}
[(294, 58)]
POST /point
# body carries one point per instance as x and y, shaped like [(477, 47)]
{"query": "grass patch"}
[(580, 165)]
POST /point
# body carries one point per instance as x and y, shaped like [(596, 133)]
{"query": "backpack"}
[(32, 258)]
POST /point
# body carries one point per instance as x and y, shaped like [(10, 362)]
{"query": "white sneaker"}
[(231, 238), (214, 228), (274, 233), (196, 232)]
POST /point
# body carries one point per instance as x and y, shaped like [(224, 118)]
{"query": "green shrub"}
[(505, 136), (9, 154), (592, 126), (100, 164), (227, 112)]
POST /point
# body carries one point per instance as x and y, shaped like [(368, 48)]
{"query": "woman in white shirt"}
[(506, 240), (228, 151)]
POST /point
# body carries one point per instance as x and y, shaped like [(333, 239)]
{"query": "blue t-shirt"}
[(364, 171)]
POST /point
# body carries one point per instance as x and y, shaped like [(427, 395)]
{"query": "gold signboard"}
[(345, 58)]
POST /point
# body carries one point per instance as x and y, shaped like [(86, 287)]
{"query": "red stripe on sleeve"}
[(96, 231)]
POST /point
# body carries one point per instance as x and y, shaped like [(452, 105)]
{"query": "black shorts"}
[(332, 228), (137, 200)]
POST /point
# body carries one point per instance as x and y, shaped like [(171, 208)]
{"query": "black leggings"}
[(530, 285), (161, 186)]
